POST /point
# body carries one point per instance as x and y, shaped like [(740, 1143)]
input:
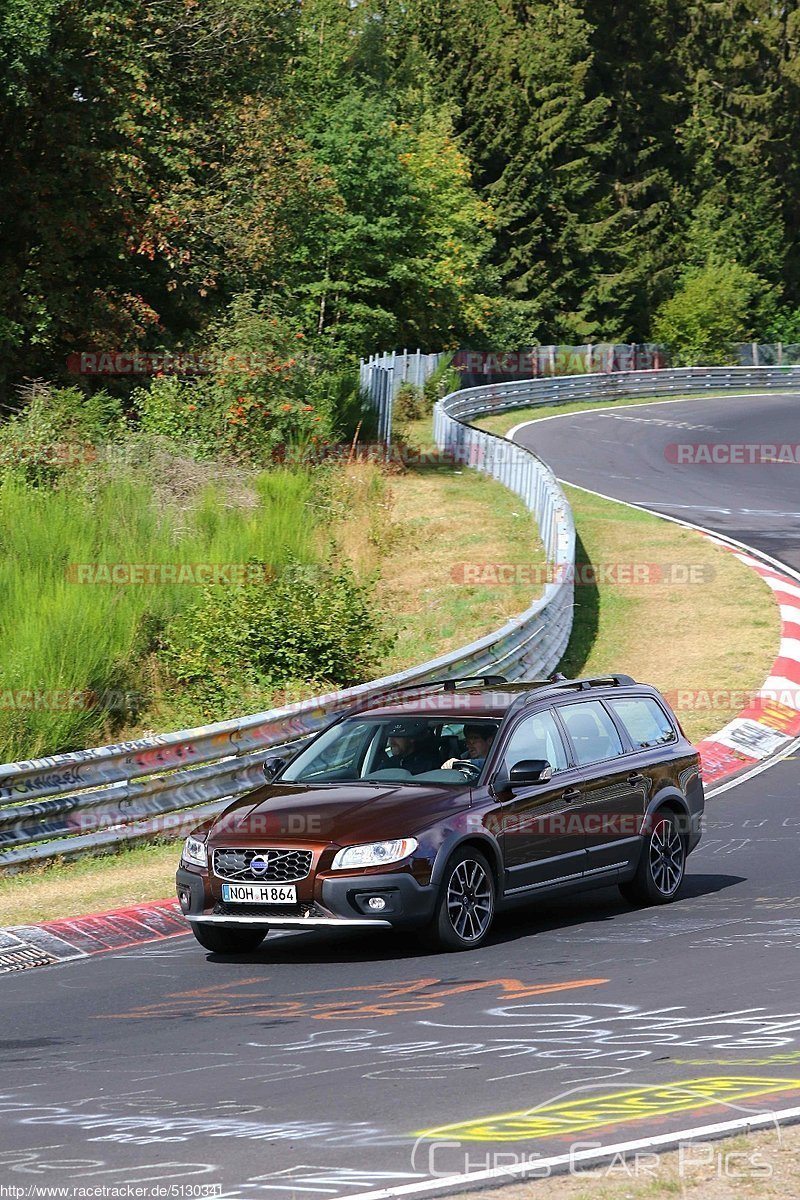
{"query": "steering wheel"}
[(468, 769)]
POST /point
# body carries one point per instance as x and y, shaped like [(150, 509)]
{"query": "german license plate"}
[(259, 893)]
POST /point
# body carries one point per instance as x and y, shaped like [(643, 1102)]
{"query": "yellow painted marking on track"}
[(572, 1116)]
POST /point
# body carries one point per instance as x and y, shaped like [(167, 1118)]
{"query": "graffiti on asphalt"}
[(250, 997), (626, 1025), (614, 1108), (149, 1130)]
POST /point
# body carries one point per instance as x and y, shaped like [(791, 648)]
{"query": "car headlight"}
[(194, 852), (374, 854)]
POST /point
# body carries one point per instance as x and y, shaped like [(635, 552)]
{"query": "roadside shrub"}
[(258, 399), (337, 390), (714, 307), (310, 622), (409, 403), (58, 429), (440, 383), (784, 327)]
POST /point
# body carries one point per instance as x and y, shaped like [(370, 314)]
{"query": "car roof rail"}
[(450, 685), (590, 681)]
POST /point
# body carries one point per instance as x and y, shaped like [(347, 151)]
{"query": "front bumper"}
[(342, 904), (287, 922)]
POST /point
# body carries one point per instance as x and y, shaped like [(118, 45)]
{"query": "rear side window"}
[(645, 721), (591, 731)]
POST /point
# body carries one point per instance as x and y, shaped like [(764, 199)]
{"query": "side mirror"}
[(528, 771), (273, 767)]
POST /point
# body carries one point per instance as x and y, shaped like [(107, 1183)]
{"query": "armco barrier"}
[(70, 804)]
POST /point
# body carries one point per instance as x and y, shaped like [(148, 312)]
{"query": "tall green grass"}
[(60, 639)]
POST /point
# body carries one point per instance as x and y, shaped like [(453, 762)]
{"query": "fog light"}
[(184, 899), (376, 903)]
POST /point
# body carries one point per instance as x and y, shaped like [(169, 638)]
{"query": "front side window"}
[(591, 731), (536, 737), (395, 749), (645, 721)]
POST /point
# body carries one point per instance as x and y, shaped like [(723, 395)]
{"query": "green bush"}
[(57, 430), (784, 327), (440, 382), (337, 391), (257, 399), (715, 307), (309, 622), (409, 403)]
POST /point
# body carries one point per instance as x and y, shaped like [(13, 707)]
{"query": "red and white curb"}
[(24, 946), (771, 720)]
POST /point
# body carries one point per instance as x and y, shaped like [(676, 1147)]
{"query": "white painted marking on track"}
[(547, 1166), (644, 404)]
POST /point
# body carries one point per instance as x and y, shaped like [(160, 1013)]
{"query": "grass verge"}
[(447, 522), (703, 643), (70, 889)]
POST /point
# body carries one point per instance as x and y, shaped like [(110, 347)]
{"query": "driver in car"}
[(479, 740), (404, 750)]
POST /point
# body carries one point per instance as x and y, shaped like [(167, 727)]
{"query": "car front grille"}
[(282, 866)]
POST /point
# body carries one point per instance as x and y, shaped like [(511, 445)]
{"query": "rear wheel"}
[(222, 940), (466, 904), (662, 866)]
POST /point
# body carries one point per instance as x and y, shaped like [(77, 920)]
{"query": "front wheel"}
[(466, 904), (221, 940), (662, 866)]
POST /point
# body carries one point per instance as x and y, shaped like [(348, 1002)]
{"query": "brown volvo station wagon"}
[(454, 801)]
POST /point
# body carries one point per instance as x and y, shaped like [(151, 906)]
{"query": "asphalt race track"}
[(336, 1067), (628, 453)]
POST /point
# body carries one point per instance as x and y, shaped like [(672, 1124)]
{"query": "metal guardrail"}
[(71, 804)]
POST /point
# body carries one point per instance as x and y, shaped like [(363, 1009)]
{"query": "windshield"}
[(401, 749)]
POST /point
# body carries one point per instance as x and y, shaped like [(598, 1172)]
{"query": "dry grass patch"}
[(443, 519), (70, 889), (718, 635)]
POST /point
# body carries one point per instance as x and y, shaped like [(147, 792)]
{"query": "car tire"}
[(466, 904), (662, 866), (221, 940)]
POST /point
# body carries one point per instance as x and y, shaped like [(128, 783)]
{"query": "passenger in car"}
[(479, 739)]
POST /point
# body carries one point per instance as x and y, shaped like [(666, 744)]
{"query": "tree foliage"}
[(408, 172)]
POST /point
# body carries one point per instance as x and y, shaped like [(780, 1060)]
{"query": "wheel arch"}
[(673, 802), (488, 848)]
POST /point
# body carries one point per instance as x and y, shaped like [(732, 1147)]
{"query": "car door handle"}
[(571, 794), (634, 780)]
